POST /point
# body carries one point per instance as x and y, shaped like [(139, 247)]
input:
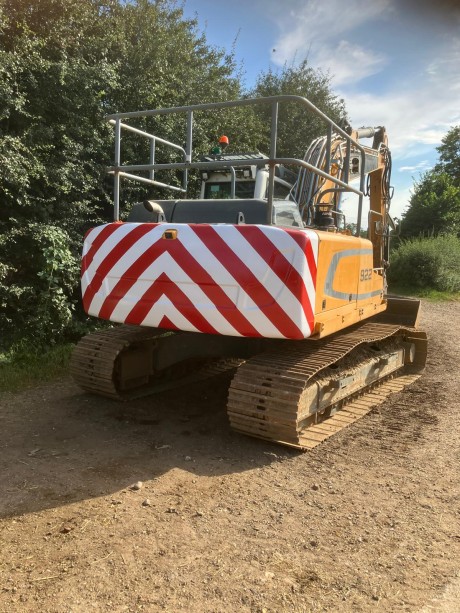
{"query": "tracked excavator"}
[(261, 273)]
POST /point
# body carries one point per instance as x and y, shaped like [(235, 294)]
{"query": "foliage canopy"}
[(295, 134), (434, 207), (64, 65)]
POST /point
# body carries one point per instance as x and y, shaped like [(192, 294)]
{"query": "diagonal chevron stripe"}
[(164, 314), (311, 250), (138, 300), (304, 250), (271, 268), (285, 265), (103, 262), (222, 278), (223, 245), (219, 279), (104, 243), (164, 287), (98, 236), (142, 268)]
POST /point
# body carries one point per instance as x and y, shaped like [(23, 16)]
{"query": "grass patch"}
[(428, 266), (430, 294), (26, 367)]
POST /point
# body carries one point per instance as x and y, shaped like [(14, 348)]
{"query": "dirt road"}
[(368, 521)]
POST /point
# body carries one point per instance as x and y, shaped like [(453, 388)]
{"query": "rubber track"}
[(265, 393), (93, 359), (359, 407), (93, 363)]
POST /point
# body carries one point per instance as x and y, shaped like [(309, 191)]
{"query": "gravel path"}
[(367, 521)]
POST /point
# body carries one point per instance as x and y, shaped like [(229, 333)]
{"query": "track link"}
[(267, 394), (119, 363), (94, 360)]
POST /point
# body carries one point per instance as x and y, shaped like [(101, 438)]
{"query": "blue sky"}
[(395, 62)]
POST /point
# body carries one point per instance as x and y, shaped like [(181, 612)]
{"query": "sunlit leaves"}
[(434, 207)]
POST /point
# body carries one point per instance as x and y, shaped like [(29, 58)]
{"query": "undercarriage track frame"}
[(271, 409), (267, 393)]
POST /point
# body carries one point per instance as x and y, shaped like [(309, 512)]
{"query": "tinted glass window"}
[(281, 192), (243, 189)]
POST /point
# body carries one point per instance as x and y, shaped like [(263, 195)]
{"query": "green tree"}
[(449, 155), (55, 73), (297, 126), (434, 207), (36, 281), (64, 65), (168, 62)]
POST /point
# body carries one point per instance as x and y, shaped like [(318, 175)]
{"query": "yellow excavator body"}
[(348, 289), (277, 286)]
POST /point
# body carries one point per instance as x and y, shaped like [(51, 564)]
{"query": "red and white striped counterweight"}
[(234, 280)]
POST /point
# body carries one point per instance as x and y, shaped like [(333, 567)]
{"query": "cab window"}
[(219, 190), (281, 191)]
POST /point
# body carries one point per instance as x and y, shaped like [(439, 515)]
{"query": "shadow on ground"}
[(60, 445)]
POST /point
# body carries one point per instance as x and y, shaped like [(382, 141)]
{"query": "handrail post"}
[(346, 174), (361, 189), (233, 183), (116, 176), (152, 158), (328, 148), (188, 146), (187, 163), (271, 172)]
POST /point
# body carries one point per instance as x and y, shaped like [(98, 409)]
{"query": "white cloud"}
[(348, 62), (311, 29), (421, 166), (417, 94), (409, 135), (316, 20), (418, 106), (417, 112)]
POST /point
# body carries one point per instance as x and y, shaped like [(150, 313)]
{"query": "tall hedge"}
[(64, 65), (427, 263)]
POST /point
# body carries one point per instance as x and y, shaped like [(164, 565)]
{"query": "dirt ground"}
[(367, 521)]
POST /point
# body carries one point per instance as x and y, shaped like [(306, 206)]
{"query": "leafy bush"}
[(36, 284), (434, 207), (428, 263), (65, 65)]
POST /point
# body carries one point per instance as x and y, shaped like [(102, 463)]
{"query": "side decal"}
[(328, 284)]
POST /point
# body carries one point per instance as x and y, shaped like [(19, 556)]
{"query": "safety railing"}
[(120, 171)]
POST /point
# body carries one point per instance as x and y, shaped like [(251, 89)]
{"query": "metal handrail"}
[(369, 221), (235, 163), (119, 170)]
